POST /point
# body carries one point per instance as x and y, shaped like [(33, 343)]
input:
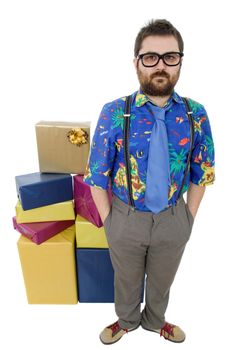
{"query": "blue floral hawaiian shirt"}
[(106, 159)]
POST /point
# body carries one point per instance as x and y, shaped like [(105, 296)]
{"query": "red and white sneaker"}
[(112, 333), (170, 332)]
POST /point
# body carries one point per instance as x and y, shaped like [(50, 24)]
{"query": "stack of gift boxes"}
[(63, 249)]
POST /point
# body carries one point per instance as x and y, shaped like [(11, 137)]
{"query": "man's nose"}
[(160, 64)]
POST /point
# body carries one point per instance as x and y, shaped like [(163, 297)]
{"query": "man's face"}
[(160, 79)]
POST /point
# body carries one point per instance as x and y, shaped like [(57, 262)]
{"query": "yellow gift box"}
[(63, 147), (49, 269), (54, 212), (89, 235)]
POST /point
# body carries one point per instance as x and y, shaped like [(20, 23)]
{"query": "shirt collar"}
[(141, 98)]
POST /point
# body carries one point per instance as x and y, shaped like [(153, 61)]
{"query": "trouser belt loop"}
[(175, 206), (173, 210)]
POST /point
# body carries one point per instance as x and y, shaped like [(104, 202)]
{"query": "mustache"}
[(159, 74)]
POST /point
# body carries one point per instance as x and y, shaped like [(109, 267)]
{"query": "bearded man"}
[(149, 223)]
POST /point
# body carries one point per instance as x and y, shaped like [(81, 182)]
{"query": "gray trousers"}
[(145, 244)]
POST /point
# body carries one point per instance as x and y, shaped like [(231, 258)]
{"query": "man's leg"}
[(128, 235), (169, 236)]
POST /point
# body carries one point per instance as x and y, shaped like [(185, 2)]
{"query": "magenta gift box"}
[(39, 232), (84, 203)]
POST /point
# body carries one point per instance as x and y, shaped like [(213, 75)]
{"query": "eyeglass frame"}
[(140, 57)]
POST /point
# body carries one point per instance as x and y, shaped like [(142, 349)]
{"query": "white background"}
[(62, 60)]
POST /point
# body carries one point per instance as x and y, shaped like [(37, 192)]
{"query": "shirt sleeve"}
[(102, 152), (202, 167)]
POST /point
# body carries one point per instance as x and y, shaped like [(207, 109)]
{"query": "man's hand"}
[(101, 200), (194, 197)]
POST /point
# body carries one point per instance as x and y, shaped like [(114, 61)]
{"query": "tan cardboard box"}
[(63, 147)]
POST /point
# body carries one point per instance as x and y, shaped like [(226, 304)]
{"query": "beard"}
[(163, 85)]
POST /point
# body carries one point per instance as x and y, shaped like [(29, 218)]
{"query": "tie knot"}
[(160, 113)]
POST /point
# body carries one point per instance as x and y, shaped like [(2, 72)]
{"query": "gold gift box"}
[(54, 212), (89, 235), (49, 269), (63, 147)]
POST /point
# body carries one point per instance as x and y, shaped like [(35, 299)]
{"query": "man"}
[(149, 237)]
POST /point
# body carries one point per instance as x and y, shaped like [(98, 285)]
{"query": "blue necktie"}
[(158, 168)]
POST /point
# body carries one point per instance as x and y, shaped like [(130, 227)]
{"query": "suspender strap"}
[(127, 114), (126, 149), (189, 113)]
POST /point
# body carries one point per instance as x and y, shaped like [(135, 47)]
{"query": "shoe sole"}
[(133, 329), (173, 341)]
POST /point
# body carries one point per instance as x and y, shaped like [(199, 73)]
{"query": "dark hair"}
[(157, 27)]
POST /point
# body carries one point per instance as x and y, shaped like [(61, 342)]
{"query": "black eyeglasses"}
[(151, 59)]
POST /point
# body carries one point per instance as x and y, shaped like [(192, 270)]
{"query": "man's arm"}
[(101, 200), (202, 160), (194, 196)]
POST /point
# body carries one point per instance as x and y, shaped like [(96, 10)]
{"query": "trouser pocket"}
[(107, 221), (189, 216)]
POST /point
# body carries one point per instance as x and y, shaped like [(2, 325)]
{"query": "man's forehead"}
[(159, 43)]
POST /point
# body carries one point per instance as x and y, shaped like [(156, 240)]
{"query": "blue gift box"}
[(95, 276), (39, 189)]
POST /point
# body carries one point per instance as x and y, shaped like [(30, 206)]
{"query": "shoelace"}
[(167, 328), (115, 328)]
